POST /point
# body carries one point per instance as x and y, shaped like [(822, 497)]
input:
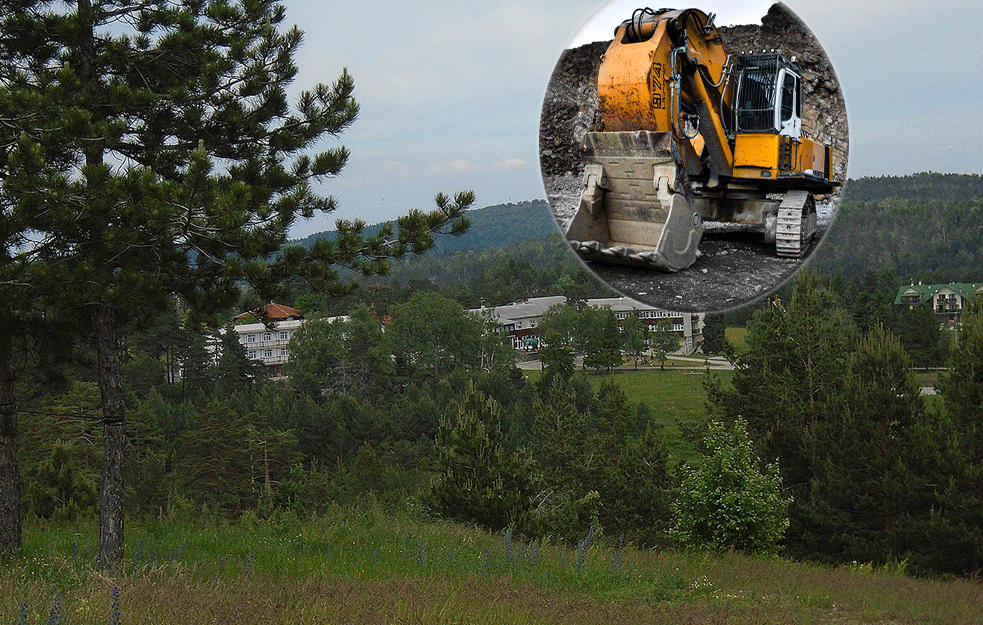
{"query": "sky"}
[(450, 94)]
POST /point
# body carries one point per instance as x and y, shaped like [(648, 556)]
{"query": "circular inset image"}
[(692, 165)]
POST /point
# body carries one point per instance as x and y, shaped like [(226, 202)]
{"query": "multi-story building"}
[(520, 320), (947, 300), (265, 333)]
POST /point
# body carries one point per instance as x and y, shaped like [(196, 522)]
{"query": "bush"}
[(728, 502)]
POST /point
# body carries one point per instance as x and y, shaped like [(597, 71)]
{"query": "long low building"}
[(265, 333), (520, 320)]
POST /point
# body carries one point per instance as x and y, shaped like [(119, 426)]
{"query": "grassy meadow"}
[(676, 398), (368, 567)]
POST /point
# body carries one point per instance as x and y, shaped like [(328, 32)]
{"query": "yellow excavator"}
[(693, 134)]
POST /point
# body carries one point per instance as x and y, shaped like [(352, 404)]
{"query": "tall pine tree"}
[(154, 153)]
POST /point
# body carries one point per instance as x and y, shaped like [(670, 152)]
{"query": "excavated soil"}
[(735, 265)]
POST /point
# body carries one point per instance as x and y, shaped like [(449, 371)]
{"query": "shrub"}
[(729, 502)]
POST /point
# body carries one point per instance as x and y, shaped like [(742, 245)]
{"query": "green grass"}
[(676, 399), (926, 377), (366, 567), (736, 335)]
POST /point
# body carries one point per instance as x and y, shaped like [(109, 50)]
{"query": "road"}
[(715, 363)]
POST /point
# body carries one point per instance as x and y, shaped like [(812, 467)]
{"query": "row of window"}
[(647, 314), (267, 337), (268, 353)]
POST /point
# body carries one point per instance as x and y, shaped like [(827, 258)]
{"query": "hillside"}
[(923, 226), (491, 227)]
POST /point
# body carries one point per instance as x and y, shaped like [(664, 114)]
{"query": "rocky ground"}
[(735, 266)]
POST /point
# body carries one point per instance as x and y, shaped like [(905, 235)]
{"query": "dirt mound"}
[(570, 106)]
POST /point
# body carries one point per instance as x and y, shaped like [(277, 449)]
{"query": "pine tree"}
[(154, 153), (870, 477), (788, 375), (714, 334), (957, 529), (234, 371), (477, 480)]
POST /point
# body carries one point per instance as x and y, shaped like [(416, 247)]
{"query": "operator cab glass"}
[(768, 96), (790, 112)]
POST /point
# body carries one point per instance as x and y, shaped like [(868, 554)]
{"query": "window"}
[(283, 352), (788, 97), (267, 337), (250, 338), (268, 353), (284, 336)]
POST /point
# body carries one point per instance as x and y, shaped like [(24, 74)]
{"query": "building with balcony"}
[(946, 300), (265, 333), (520, 320)]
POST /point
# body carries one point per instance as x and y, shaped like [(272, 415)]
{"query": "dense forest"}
[(431, 414), (926, 227)]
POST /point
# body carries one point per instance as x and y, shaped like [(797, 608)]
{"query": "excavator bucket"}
[(633, 209)]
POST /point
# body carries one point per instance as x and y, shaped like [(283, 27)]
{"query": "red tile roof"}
[(271, 312)]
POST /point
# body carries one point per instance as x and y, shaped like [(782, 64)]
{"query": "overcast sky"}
[(450, 94)]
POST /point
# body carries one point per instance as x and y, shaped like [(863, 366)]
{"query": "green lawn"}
[(676, 399), (736, 335)]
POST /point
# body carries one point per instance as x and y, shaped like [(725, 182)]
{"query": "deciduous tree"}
[(663, 342), (634, 333), (731, 501)]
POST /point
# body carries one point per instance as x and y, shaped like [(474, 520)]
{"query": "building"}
[(947, 300), (520, 320), (265, 333)]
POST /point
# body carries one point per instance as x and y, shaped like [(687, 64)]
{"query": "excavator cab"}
[(769, 96)]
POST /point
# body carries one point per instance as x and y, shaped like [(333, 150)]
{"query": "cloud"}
[(469, 167), (461, 165), (508, 164), (394, 167)]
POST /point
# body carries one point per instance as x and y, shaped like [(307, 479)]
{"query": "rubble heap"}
[(570, 106)]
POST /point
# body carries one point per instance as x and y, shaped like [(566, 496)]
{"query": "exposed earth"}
[(735, 265)]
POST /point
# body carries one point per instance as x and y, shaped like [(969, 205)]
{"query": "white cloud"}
[(394, 168), (461, 165), (509, 164)]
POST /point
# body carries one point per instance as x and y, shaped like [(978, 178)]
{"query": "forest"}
[(926, 227), (432, 414)]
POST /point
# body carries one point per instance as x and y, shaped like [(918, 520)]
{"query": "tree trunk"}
[(10, 527), (114, 441)]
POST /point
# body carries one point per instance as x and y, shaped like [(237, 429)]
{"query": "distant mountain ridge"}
[(491, 227), (921, 226), (926, 226)]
